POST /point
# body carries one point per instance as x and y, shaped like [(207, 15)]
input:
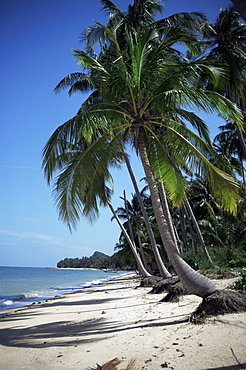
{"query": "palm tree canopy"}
[(227, 43), (143, 85)]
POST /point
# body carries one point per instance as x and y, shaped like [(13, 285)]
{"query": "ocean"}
[(21, 286)]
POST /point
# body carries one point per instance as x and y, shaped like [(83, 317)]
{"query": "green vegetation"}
[(98, 261), (242, 282), (145, 94)]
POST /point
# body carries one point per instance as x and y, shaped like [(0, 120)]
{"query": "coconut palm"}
[(83, 183), (134, 222), (227, 44), (162, 268), (139, 15), (227, 143), (141, 266), (140, 88), (241, 7)]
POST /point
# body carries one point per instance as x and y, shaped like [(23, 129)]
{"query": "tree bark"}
[(143, 255), (193, 238), (164, 201), (183, 229), (141, 268), (193, 281), (199, 234), (163, 270), (132, 235)]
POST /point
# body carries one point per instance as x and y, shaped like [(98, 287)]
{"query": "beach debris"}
[(112, 365), (219, 303), (149, 360), (165, 364), (239, 363)]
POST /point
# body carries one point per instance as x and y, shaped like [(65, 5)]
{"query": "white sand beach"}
[(99, 323)]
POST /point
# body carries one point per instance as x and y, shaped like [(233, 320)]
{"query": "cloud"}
[(21, 167), (46, 241), (39, 237), (30, 219)]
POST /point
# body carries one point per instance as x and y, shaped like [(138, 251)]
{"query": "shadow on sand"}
[(70, 333)]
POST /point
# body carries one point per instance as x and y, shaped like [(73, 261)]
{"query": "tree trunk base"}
[(150, 281), (219, 303), (164, 285), (174, 292)]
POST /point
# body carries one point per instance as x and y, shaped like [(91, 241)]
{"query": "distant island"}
[(98, 260)]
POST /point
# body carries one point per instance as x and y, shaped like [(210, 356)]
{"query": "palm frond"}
[(88, 62), (84, 182), (165, 169), (73, 81), (196, 122), (223, 186)]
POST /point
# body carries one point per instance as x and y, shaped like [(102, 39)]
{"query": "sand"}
[(114, 319)]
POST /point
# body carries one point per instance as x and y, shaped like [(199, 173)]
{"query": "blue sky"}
[(37, 38)]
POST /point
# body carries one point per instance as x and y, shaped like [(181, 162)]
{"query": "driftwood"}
[(112, 365)]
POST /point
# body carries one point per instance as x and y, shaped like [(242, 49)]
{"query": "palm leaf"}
[(223, 186), (76, 81)]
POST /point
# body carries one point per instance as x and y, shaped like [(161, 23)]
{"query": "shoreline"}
[(25, 298), (82, 289), (117, 318)]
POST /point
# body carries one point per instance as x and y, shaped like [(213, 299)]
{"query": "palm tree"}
[(227, 44), (82, 175), (141, 87), (139, 15), (141, 266), (241, 7), (227, 143), (226, 235), (162, 268), (134, 223)]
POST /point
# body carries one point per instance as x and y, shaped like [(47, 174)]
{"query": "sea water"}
[(22, 286)]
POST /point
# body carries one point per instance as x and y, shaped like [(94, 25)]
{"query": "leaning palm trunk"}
[(242, 141), (183, 229), (244, 182), (165, 207), (145, 263), (140, 265), (163, 271), (199, 234), (128, 217), (132, 235), (194, 282), (193, 237)]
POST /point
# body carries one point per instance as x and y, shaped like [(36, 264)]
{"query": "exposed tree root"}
[(150, 281), (219, 303), (174, 292), (112, 365), (164, 285)]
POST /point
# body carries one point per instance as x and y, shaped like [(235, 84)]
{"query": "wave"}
[(20, 300), (10, 300), (13, 298)]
